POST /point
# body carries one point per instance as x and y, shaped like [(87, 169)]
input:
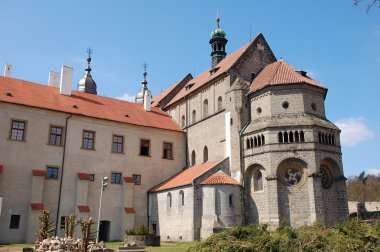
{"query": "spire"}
[(140, 95), (87, 84), (218, 43)]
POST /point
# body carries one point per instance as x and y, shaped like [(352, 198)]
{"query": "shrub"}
[(352, 235), (141, 230)]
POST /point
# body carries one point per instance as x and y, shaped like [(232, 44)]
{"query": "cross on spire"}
[(89, 51), (217, 18)]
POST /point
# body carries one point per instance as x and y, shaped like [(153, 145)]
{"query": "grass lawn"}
[(177, 247)]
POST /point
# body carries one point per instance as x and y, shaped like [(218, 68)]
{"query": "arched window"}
[(262, 139), (297, 136), (181, 198), (193, 158), (205, 108), (257, 181), (258, 140), (231, 200), (183, 121), (326, 139), (169, 200), (333, 139), (251, 140), (205, 154), (291, 138), (255, 141), (330, 139), (285, 137), (302, 136), (194, 119), (248, 144), (319, 137), (280, 140), (220, 103)]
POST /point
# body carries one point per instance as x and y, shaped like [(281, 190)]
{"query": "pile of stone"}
[(57, 244)]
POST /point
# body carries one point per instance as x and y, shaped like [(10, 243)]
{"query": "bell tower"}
[(218, 43)]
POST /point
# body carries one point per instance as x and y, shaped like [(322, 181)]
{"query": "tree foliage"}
[(363, 188), (369, 4)]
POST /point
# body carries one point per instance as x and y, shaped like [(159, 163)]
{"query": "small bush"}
[(141, 230), (352, 235)]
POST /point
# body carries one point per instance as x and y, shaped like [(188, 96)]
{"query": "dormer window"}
[(189, 86), (214, 70)]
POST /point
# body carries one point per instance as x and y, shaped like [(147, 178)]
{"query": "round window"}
[(259, 110), (291, 173), (285, 105), (313, 106), (326, 177)]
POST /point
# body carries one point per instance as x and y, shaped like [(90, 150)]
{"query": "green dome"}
[(218, 33)]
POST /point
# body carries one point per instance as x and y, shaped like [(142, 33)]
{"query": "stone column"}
[(273, 207), (315, 198)]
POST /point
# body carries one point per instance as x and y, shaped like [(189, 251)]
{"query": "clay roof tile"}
[(41, 96), (219, 178)]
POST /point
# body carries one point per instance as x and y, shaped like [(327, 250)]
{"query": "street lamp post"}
[(104, 185)]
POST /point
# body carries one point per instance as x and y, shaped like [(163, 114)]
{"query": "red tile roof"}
[(83, 176), (184, 177), (1, 169), (219, 178), (164, 93), (279, 73), (41, 96), (202, 79), (83, 209), (41, 173), (129, 210), (37, 206), (128, 179)]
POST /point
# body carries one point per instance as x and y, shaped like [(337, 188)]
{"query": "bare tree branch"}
[(368, 5)]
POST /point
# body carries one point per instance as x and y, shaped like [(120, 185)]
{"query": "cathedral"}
[(245, 142)]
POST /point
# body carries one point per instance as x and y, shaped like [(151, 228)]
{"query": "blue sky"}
[(336, 42)]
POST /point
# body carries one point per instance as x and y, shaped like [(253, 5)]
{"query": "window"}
[(220, 105), (18, 130), (62, 223), (117, 144), (193, 158), (181, 198), (136, 179), (302, 136), (91, 177), (168, 151), (255, 141), (280, 140), (205, 108), (183, 121), (194, 119), (55, 137), (285, 137), (297, 136), (230, 200), (154, 227), (15, 221), (88, 141), (262, 139), (169, 200), (52, 172), (205, 154), (285, 105), (144, 147), (258, 110), (248, 144), (258, 181), (291, 139), (116, 178)]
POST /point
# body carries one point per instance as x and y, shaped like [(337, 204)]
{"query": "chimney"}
[(8, 70), (66, 80), (54, 79), (147, 100)]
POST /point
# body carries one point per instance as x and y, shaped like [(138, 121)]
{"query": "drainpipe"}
[(61, 180), (147, 210)]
